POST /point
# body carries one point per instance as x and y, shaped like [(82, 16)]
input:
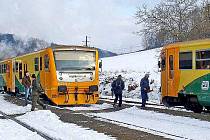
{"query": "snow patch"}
[(181, 126), (11, 109), (9, 130), (132, 67), (49, 123)]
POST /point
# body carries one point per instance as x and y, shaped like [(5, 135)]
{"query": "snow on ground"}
[(9, 130), (42, 120), (149, 120), (10, 109), (91, 107), (49, 123), (132, 67)]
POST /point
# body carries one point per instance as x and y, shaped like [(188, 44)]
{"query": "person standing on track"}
[(117, 88), (145, 88), (36, 89), (27, 85)]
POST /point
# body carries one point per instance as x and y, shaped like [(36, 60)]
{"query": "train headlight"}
[(93, 88), (61, 78)]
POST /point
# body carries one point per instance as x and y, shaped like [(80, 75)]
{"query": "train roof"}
[(188, 43), (55, 47)]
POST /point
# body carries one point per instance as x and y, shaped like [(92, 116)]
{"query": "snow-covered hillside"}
[(132, 67)]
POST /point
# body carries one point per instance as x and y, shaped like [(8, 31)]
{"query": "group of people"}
[(118, 86), (33, 89)]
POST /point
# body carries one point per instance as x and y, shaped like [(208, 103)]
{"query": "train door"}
[(163, 73), (25, 69), (9, 78), (18, 75), (171, 70), (46, 71)]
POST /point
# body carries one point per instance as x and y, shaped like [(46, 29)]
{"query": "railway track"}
[(43, 135), (139, 103), (123, 124), (136, 126)]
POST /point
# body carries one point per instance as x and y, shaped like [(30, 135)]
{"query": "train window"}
[(40, 63), (36, 64), (20, 71), (163, 61), (5, 68), (46, 62), (0, 69), (203, 59), (171, 67), (16, 66), (185, 60)]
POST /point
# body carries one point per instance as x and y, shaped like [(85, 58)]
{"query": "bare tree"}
[(172, 21)]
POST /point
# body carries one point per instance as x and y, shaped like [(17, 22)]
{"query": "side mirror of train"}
[(159, 66), (100, 64)]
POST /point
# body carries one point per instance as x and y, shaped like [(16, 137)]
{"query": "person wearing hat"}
[(36, 89), (117, 88), (26, 82), (145, 88)]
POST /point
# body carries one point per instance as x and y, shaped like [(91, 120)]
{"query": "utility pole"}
[(86, 41)]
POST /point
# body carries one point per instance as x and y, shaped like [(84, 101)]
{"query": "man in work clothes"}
[(117, 87), (36, 89), (27, 84), (145, 88)]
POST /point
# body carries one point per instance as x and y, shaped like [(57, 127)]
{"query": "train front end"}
[(77, 75)]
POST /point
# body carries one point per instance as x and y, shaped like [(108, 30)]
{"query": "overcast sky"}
[(108, 23)]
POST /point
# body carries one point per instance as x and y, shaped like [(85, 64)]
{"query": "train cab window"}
[(36, 64), (40, 63), (171, 67), (46, 62), (203, 59), (185, 60)]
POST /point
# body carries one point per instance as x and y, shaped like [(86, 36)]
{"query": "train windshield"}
[(70, 60)]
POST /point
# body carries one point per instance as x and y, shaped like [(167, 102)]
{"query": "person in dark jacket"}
[(145, 88), (36, 89), (27, 84), (117, 88)]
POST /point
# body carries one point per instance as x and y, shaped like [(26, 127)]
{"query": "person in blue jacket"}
[(145, 88), (117, 88)]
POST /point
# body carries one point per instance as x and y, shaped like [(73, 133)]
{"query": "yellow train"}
[(185, 74), (68, 74)]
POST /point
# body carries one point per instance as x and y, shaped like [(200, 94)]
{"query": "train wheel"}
[(187, 106), (165, 102), (17, 92), (208, 108), (197, 109)]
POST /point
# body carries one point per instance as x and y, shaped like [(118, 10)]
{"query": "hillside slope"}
[(12, 45), (132, 67)]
